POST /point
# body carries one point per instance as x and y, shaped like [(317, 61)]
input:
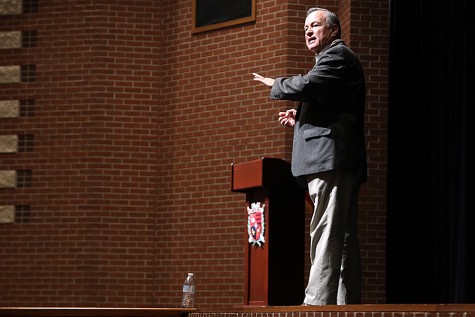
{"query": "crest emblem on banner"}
[(256, 224)]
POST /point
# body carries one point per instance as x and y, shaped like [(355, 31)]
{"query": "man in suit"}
[(328, 155)]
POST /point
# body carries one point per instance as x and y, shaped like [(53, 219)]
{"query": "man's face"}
[(317, 34)]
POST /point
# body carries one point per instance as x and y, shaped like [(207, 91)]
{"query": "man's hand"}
[(287, 118), (265, 80)]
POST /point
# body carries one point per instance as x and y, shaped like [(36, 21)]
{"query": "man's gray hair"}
[(331, 18)]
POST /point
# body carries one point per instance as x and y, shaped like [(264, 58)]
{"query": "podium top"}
[(263, 173)]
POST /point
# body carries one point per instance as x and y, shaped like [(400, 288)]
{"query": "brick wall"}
[(90, 107), (127, 126)]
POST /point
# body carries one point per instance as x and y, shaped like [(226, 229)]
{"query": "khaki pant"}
[(335, 274)]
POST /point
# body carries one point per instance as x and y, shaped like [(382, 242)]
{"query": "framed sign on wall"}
[(214, 14)]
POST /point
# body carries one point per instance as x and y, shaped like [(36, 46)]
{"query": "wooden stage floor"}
[(379, 310)]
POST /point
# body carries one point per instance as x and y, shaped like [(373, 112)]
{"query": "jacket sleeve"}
[(324, 78)]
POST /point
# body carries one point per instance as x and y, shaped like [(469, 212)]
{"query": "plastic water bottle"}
[(188, 300)]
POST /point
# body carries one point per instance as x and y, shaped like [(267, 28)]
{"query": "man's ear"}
[(335, 29)]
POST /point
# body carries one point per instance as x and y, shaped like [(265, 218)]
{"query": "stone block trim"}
[(8, 179), (7, 214), (8, 143), (9, 108), (11, 39), (10, 74), (9, 7)]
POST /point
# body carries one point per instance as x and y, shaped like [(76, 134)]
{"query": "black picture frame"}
[(214, 14)]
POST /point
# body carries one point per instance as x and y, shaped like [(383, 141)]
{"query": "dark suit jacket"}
[(329, 130)]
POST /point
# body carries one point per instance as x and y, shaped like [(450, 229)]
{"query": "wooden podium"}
[(274, 274)]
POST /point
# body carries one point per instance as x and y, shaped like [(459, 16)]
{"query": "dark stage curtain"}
[(431, 197)]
